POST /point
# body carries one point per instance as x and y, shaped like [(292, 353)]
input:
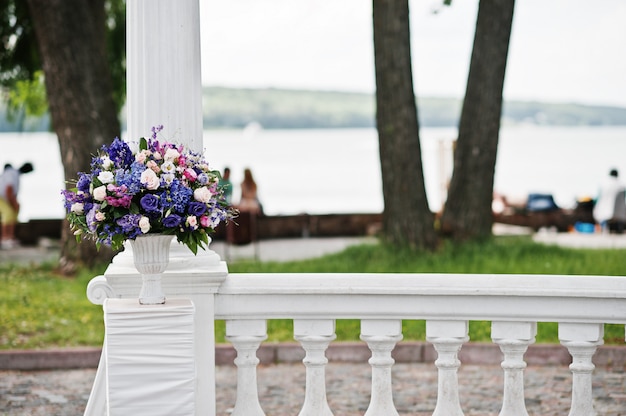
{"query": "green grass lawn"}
[(39, 309)]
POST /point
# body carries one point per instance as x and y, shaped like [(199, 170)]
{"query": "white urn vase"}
[(151, 255)]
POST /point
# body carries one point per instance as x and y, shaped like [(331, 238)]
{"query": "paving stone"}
[(281, 389)]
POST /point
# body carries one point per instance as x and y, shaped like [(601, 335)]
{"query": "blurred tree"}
[(76, 43), (407, 218), (467, 213)]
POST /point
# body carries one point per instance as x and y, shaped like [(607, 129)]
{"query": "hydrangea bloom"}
[(161, 188)]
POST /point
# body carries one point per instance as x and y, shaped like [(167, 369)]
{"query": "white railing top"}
[(508, 297)]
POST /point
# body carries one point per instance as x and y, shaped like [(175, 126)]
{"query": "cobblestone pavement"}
[(281, 390)]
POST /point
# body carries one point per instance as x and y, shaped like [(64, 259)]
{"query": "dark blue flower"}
[(196, 208), (150, 203), (120, 153), (172, 221)]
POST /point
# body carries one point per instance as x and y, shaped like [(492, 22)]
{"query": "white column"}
[(447, 337), (513, 339), (246, 336), (581, 341), (314, 336), (381, 337), (164, 85)]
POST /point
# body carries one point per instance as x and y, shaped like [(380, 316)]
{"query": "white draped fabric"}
[(150, 362)]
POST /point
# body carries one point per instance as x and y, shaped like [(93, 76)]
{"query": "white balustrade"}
[(314, 336), (581, 341), (447, 302), (447, 337), (513, 339), (246, 336), (381, 337)]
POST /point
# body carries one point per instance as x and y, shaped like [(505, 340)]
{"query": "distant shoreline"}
[(276, 108)]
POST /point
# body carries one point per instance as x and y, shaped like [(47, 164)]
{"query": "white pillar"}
[(581, 341), (314, 335), (447, 337), (247, 336), (381, 337), (164, 85), (513, 339)]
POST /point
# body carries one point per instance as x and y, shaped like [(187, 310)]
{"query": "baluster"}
[(246, 336), (314, 336), (381, 337), (513, 339), (447, 337), (581, 341)]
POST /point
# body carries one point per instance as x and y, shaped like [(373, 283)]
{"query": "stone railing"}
[(514, 304)]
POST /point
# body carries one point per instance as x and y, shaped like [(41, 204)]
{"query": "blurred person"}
[(610, 204), (9, 205), (227, 185), (249, 201)]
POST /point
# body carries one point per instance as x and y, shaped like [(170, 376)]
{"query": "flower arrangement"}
[(160, 188)]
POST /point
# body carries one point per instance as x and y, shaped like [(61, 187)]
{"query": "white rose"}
[(150, 179), (202, 194), (100, 216), (99, 193), (78, 208), (107, 163), (144, 224), (171, 154), (105, 176)]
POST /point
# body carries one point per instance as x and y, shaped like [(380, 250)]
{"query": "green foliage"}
[(40, 309), (116, 48), (20, 61), (28, 97)]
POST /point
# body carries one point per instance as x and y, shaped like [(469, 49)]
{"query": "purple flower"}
[(156, 130), (91, 218), (196, 208), (123, 201), (129, 223), (172, 221), (83, 182), (120, 153), (150, 203)]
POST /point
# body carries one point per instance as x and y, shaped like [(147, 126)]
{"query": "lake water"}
[(338, 170)]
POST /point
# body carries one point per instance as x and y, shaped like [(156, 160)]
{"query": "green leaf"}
[(143, 144)]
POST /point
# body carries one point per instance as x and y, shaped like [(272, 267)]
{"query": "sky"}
[(560, 50)]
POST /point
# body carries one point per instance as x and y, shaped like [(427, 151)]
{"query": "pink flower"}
[(205, 221), (190, 174), (152, 165), (192, 222)]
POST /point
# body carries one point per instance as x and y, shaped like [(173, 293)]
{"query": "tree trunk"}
[(71, 40), (407, 218), (467, 213)]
